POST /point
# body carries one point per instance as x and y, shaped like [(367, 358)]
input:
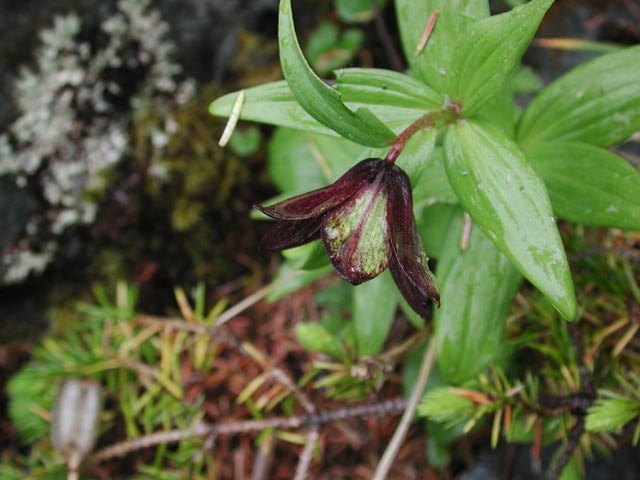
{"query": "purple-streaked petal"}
[(356, 234), (318, 201), (287, 234), (409, 261)]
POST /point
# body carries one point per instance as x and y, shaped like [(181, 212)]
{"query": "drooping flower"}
[(366, 222)]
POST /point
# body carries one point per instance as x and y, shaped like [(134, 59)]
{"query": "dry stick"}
[(427, 32), (255, 297), (568, 449), (389, 407), (398, 437), (387, 42), (304, 462)]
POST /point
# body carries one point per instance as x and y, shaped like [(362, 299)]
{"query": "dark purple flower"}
[(365, 220)]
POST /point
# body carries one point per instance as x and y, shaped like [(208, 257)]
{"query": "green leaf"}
[(501, 110), (316, 338), (301, 161), (317, 98), (433, 63), (291, 166), (386, 97), (358, 11), (610, 414), (508, 201), (477, 286), (488, 53), (271, 103), (374, 306), (588, 184), (364, 87), (309, 256), (329, 49), (433, 225), (433, 185), (416, 154), (597, 103)]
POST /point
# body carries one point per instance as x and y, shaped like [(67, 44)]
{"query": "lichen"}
[(74, 121)]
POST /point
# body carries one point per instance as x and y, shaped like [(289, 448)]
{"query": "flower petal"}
[(319, 201), (356, 234), (409, 262), (288, 234)]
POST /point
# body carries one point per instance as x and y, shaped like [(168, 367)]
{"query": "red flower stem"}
[(426, 121)]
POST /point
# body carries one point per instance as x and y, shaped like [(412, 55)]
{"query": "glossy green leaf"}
[(317, 98), (588, 184), (488, 53), (597, 102), (501, 110), (433, 185), (433, 225), (300, 161), (433, 62), (508, 201), (271, 103), (477, 286), (416, 154), (291, 165), (309, 256), (376, 86), (374, 307)]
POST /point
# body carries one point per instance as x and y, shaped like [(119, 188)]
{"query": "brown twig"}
[(567, 450), (306, 457), (401, 431), (387, 42), (389, 407)]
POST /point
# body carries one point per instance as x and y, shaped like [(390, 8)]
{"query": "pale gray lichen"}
[(74, 116)]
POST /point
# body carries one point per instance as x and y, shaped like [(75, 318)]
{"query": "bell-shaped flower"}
[(366, 222)]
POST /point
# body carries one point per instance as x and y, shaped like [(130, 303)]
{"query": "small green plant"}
[(453, 126), (488, 179)]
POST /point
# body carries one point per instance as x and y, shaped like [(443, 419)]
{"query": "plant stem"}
[(448, 113)]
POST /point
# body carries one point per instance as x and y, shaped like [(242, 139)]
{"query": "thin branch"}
[(306, 457), (427, 32), (567, 450), (389, 407), (398, 437), (387, 41), (252, 299)]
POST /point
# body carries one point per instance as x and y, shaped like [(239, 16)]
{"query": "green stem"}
[(447, 114)]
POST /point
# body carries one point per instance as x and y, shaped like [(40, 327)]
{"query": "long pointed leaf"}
[(374, 306), (597, 103), (490, 51), (317, 98), (588, 184), (477, 286), (433, 62), (508, 201), (273, 103)]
